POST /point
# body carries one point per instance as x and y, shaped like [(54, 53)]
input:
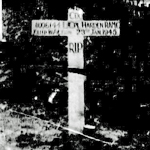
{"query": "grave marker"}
[(76, 28)]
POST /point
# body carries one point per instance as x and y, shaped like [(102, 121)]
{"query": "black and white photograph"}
[(75, 75)]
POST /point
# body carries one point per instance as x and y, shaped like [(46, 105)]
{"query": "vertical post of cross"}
[(75, 78)]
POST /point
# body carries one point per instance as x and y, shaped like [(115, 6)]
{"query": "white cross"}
[(75, 28)]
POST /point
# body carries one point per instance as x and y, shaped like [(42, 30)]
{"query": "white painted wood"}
[(1, 22), (75, 28)]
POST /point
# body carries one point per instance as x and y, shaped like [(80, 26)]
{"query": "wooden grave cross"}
[(76, 28)]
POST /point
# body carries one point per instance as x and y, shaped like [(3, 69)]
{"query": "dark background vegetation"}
[(117, 68)]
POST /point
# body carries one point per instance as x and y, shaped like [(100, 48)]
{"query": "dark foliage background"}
[(117, 68)]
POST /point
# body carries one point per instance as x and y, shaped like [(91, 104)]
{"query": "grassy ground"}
[(23, 132)]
